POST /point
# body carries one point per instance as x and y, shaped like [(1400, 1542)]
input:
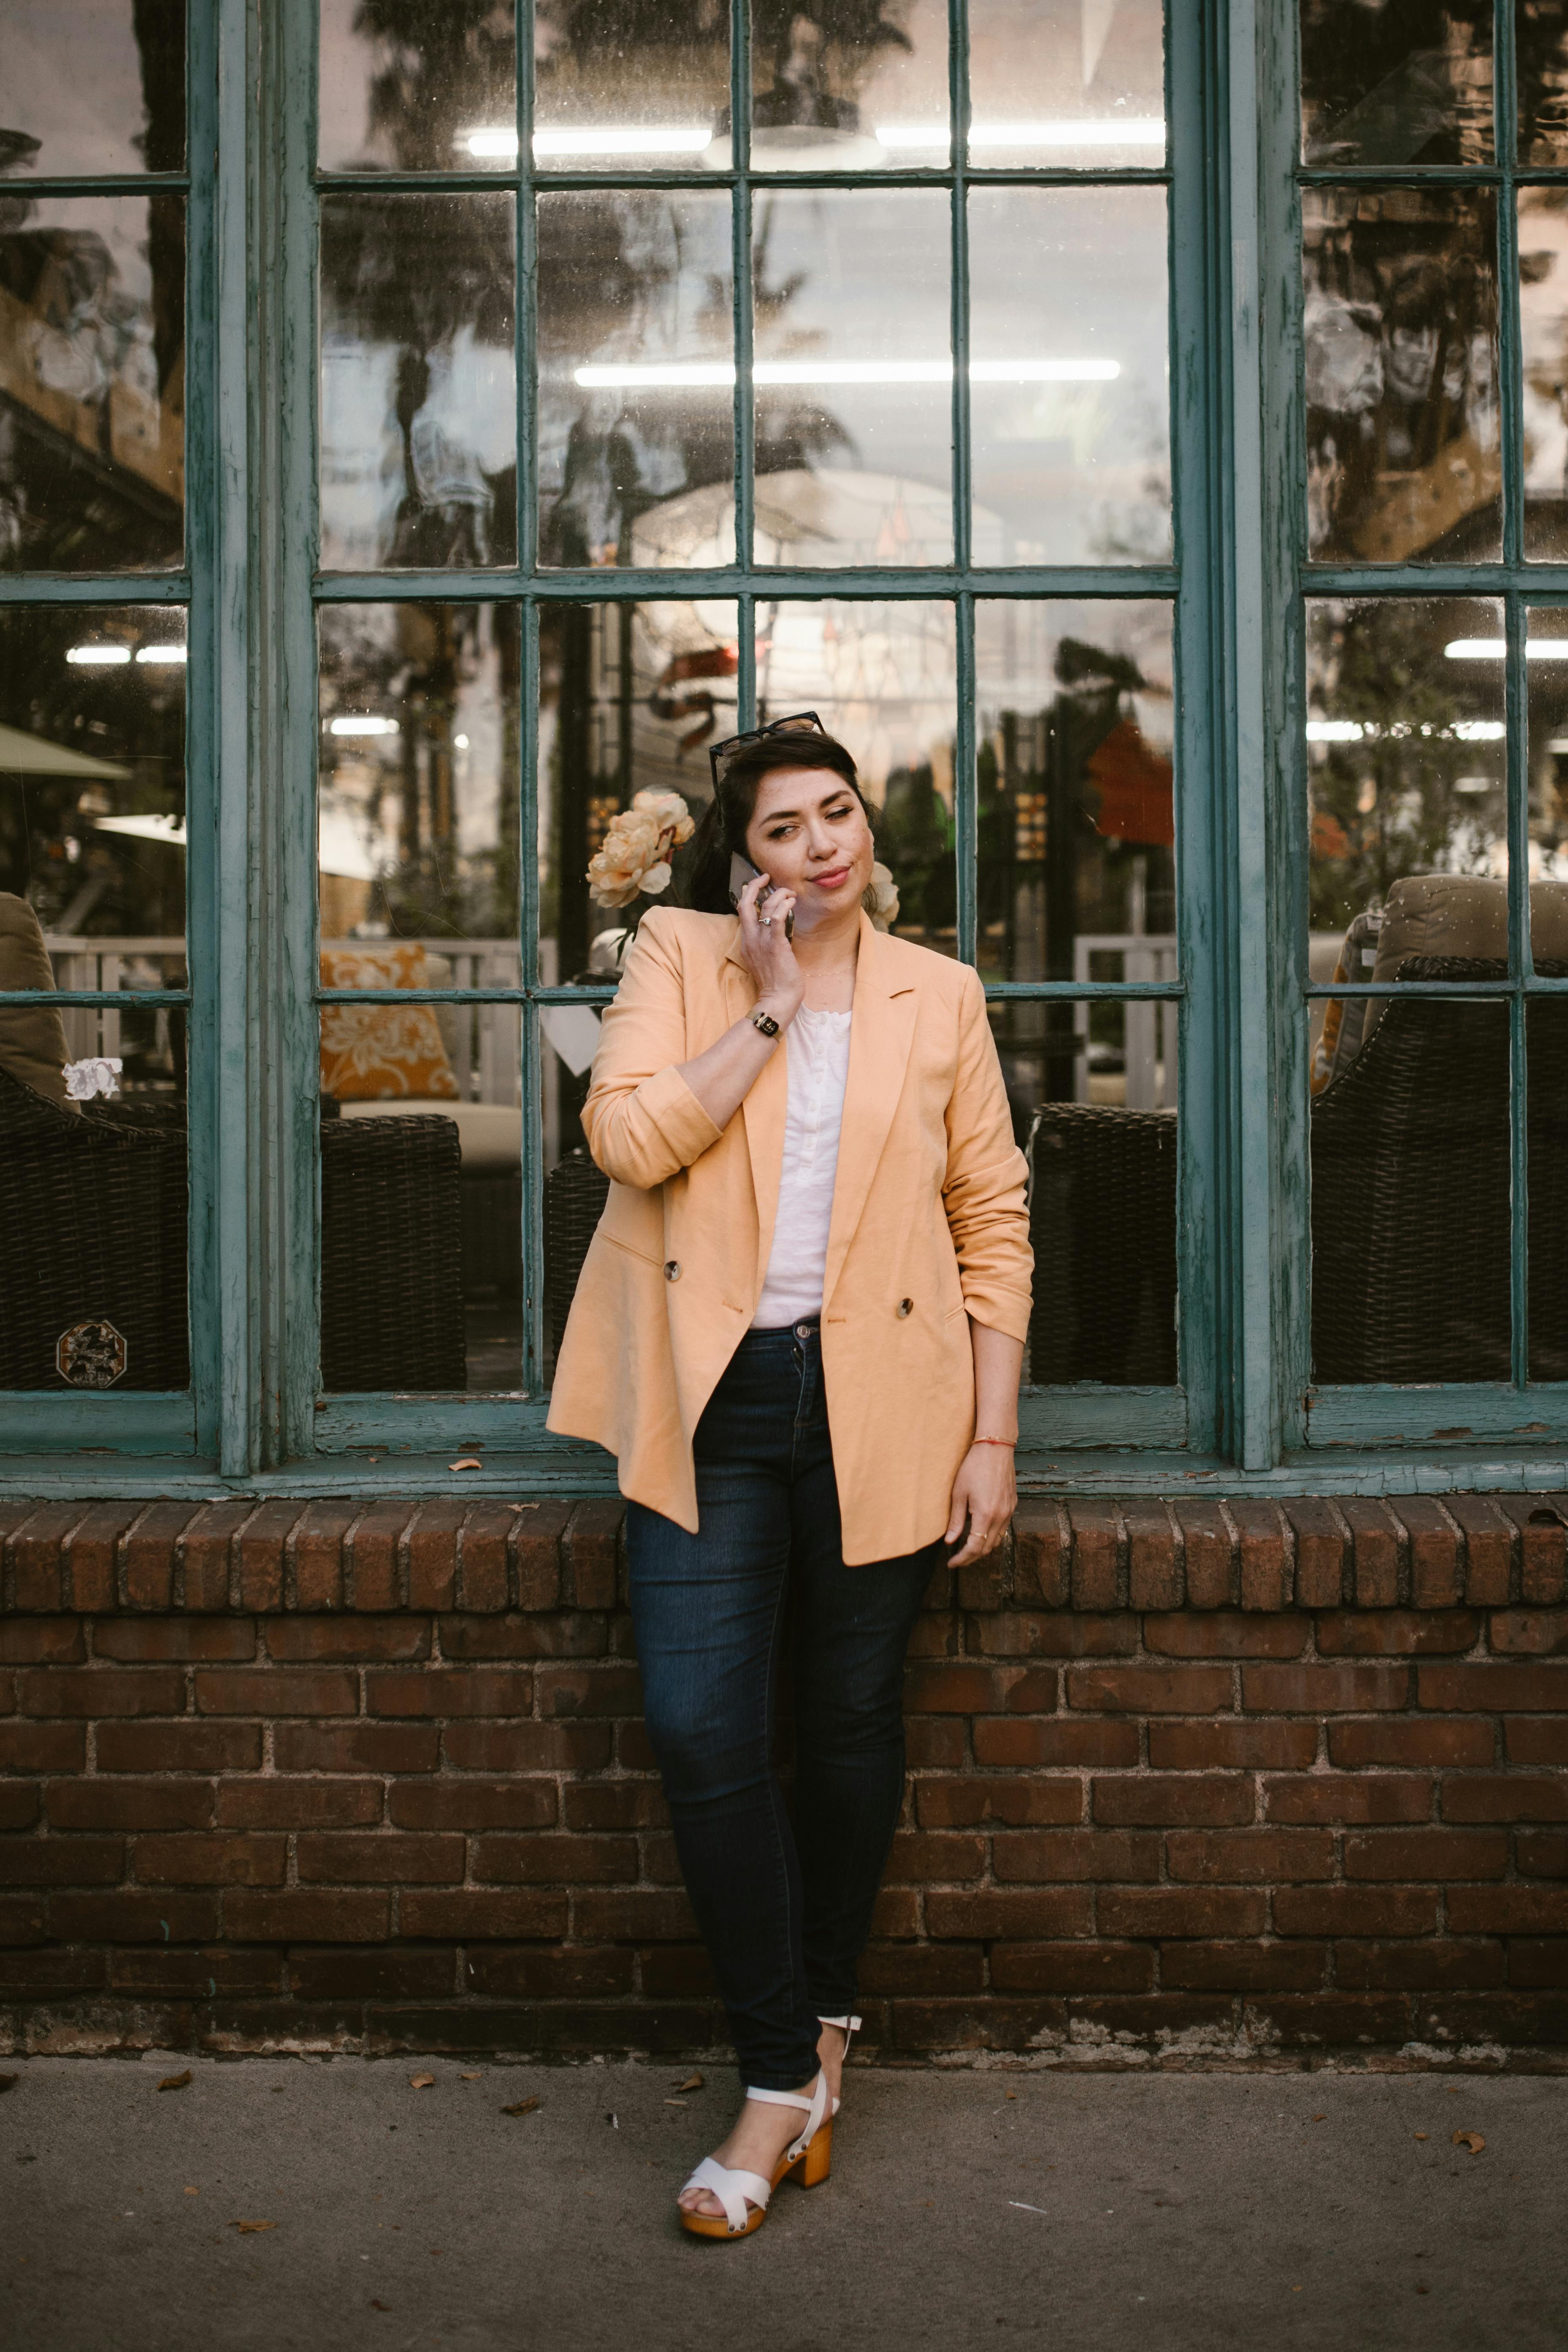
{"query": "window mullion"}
[(741, 295)]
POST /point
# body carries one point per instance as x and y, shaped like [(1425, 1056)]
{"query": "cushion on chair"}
[(491, 1133), (1464, 914), (32, 1036), (385, 1053)]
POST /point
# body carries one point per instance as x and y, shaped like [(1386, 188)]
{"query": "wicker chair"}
[(1411, 1189), (1102, 1219), (392, 1255), (575, 1192), (93, 1213)]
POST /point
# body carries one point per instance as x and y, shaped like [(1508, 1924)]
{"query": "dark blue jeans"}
[(785, 1911)]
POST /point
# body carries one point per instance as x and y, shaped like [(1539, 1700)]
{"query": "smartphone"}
[(742, 874)]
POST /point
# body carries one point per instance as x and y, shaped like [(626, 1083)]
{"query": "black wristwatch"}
[(766, 1022)]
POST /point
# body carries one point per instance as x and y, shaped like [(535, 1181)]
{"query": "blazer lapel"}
[(880, 1035), (763, 1114)]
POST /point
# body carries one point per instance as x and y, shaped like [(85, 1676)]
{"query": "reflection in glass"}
[(854, 378), (419, 400), (1411, 1192), (1544, 341), (636, 377), (1075, 812), (1385, 82), (1069, 392), (92, 381), (1406, 766), (1546, 1036), (846, 86), (1403, 458), (418, 782), (1054, 83), (1102, 1192), (641, 87), (1541, 36), (94, 86), (417, 86), (1547, 783), (92, 812)]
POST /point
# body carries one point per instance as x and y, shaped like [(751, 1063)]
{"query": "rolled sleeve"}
[(642, 1121)]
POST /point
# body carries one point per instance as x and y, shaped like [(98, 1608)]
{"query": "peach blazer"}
[(928, 1228)]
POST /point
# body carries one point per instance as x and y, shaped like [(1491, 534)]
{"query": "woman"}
[(800, 1329)]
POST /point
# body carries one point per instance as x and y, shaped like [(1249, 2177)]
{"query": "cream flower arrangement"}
[(880, 898), (634, 858)]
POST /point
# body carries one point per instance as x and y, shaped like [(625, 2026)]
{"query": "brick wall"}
[(1200, 1782)]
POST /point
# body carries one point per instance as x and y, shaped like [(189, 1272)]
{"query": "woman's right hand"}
[(765, 948)]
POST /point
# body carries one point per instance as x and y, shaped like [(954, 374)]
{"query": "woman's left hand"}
[(985, 1493)]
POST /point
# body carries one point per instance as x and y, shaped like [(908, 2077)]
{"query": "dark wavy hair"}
[(722, 828)]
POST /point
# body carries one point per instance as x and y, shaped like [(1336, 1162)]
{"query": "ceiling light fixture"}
[(98, 656), (161, 657), (364, 727), (1091, 131), (840, 371), (1496, 649), (1367, 730)]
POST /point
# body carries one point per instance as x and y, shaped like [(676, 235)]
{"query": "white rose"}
[(881, 899)]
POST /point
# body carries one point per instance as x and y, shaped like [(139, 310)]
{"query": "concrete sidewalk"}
[(965, 2208)]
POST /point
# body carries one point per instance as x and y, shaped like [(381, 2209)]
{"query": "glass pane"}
[(418, 388), (1541, 66), (94, 86), (1543, 337), (1410, 1193), (1074, 722), (1093, 1090), (421, 1138), (846, 86), (417, 818), (1056, 82), (854, 378), (92, 381), (92, 814), (637, 371), (1547, 704), (647, 84), (95, 1198), (629, 698), (1403, 458), (1069, 393), (1386, 82), (417, 86), (1408, 804), (1546, 1035)]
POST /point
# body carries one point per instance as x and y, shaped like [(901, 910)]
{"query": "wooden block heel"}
[(744, 2195)]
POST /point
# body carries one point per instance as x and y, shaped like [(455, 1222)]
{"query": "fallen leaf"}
[(1320, 2119), (420, 2081), (1296, 2290), (1423, 2290), (176, 2082), (8, 2082), (468, 1461), (471, 2078), (1420, 2135), (376, 2304), (1009, 2094), (250, 2228), (676, 2103), (523, 2107), (1472, 2140), (692, 2082), (192, 2192)]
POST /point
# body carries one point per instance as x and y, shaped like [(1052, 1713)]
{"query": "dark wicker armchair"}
[(575, 1192), (1412, 1184), (94, 1215), (1102, 1219)]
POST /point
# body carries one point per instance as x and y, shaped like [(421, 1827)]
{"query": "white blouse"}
[(818, 1048)]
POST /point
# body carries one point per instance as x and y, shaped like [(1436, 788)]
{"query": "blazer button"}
[(672, 1271), (906, 1307)]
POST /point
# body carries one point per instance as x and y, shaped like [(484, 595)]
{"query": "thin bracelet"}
[(995, 1441)]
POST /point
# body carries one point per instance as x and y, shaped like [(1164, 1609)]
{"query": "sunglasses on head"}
[(799, 722)]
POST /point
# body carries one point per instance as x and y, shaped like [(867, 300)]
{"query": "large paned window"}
[(1433, 831), (1137, 430)]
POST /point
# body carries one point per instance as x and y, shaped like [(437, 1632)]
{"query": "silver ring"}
[(764, 921)]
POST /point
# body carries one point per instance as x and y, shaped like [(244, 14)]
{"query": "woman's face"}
[(808, 832)]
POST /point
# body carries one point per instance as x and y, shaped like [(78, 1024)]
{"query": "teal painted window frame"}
[(1240, 1421)]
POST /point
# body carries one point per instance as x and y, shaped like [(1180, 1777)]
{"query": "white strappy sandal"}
[(849, 2027), (806, 2160)]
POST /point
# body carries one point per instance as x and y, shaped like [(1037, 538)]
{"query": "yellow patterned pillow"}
[(380, 1053)]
